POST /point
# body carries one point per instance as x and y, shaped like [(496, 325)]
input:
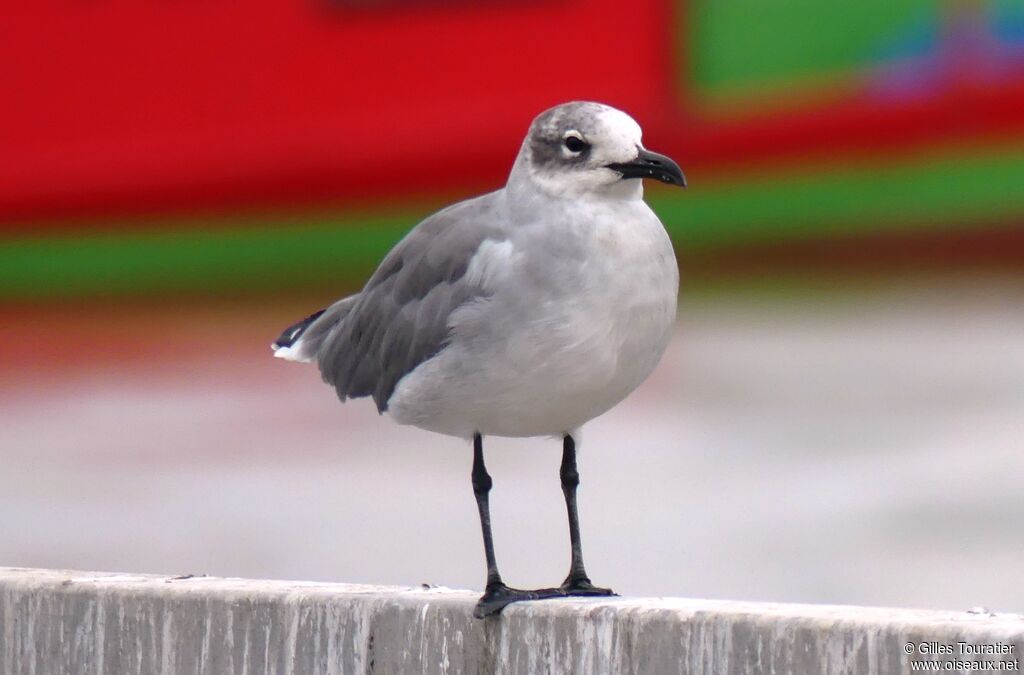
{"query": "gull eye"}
[(574, 143)]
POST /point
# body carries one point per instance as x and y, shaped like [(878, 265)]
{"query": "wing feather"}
[(401, 317)]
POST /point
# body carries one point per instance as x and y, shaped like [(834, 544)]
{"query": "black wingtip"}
[(293, 332)]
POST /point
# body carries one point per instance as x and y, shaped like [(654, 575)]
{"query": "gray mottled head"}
[(582, 147)]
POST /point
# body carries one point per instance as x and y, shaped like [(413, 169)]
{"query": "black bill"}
[(652, 165)]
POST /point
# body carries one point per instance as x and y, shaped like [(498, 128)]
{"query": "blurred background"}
[(839, 420)]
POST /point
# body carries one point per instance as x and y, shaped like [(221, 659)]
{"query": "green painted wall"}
[(963, 189), (736, 46)]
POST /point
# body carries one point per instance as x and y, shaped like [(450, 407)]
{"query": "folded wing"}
[(401, 318)]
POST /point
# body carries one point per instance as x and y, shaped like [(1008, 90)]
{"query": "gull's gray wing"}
[(400, 319), (301, 341)]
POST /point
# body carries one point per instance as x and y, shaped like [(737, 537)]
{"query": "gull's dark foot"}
[(581, 586), (497, 596)]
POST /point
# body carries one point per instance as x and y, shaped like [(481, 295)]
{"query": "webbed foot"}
[(581, 586), (497, 596)]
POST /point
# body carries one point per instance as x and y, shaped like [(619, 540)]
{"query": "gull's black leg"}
[(497, 595), (481, 489), (577, 583)]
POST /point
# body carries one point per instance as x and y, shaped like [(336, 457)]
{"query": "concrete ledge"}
[(76, 623)]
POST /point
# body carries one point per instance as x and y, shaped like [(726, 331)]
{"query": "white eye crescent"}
[(574, 143)]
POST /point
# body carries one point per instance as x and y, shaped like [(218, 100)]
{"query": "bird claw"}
[(581, 586), (498, 596)]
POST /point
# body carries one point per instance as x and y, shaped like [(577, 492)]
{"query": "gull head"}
[(582, 147)]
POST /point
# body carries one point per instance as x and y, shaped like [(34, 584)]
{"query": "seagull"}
[(527, 311)]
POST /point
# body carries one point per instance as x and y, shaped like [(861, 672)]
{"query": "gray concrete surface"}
[(55, 622)]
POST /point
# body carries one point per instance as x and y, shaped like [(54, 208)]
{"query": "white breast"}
[(628, 305)]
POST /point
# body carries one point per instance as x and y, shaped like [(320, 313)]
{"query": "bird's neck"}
[(628, 190), (526, 187)]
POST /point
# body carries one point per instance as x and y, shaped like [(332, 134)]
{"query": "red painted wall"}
[(119, 106)]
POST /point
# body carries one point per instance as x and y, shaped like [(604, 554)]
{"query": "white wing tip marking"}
[(293, 353)]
